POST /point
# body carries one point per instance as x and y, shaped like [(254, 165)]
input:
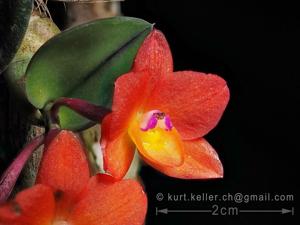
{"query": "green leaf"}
[(14, 17), (83, 62)]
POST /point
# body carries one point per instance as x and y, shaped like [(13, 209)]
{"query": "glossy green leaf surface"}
[(83, 62)]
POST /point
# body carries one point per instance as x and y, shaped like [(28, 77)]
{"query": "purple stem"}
[(88, 110), (10, 176)]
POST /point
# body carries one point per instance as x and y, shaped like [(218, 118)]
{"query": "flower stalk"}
[(10, 176), (88, 110)]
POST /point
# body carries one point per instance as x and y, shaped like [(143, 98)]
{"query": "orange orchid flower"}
[(164, 114), (65, 194)]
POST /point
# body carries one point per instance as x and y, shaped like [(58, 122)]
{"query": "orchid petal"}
[(118, 155), (64, 166), (154, 56), (201, 162), (194, 101), (33, 206), (106, 202)]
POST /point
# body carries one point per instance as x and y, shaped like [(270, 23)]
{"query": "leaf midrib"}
[(107, 59)]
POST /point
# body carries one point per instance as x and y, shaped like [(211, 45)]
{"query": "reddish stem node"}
[(88, 110)]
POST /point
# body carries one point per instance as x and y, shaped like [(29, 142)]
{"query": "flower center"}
[(155, 118), (156, 138)]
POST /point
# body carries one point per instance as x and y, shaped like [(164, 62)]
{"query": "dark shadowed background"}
[(255, 47)]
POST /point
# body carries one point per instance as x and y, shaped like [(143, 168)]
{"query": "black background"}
[(255, 47)]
